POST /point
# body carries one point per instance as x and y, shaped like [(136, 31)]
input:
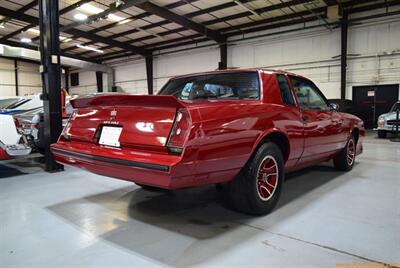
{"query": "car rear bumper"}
[(153, 169), (15, 150), (154, 175)]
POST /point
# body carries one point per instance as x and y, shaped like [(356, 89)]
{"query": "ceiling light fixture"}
[(36, 31), (90, 48), (26, 40), (91, 9), (115, 17), (124, 21), (33, 30), (80, 16), (65, 40)]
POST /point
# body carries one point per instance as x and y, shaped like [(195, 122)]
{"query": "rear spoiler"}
[(126, 100)]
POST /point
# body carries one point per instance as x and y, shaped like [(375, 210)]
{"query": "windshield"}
[(4, 104), (395, 106), (233, 85)]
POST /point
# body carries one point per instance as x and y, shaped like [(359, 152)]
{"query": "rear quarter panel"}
[(352, 122)]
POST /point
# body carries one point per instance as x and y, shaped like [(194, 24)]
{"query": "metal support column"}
[(343, 57), (149, 72), (99, 80), (51, 78), (16, 77), (223, 64)]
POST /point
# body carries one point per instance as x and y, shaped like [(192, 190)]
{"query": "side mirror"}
[(334, 106)]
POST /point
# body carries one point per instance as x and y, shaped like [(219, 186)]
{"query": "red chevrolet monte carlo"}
[(243, 128)]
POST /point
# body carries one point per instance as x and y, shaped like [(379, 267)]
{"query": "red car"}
[(244, 128)]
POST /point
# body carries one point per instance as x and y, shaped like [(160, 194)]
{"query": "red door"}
[(323, 132), (323, 128)]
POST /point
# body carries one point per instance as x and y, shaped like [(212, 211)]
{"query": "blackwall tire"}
[(257, 188), (347, 157)]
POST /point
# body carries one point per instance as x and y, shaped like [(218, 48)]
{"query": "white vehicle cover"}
[(35, 102), (8, 131), (9, 137)]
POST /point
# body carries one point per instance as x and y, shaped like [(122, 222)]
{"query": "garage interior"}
[(53, 215)]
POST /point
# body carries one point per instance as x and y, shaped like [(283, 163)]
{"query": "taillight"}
[(65, 133), (179, 133)]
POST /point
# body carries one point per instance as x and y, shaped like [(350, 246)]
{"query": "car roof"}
[(235, 70)]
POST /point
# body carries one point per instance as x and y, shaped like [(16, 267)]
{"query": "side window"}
[(308, 95), (286, 93)]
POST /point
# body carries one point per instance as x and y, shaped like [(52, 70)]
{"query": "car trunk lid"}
[(144, 120)]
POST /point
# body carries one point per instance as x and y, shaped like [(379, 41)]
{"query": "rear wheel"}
[(345, 160), (257, 188), (382, 134)]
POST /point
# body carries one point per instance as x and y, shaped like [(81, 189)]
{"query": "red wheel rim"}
[(351, 152), (267, 178)]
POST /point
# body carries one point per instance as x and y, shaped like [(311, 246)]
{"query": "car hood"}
[(389, 116)]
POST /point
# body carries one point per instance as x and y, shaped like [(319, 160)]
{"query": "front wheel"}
[(345, 160), (257, 188)]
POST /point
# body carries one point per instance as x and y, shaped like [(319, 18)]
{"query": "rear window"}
[(4, 104), (233, 85), (17, 104), (395, 107)]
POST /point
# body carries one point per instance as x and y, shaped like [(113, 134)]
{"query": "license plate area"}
[(110, 135)]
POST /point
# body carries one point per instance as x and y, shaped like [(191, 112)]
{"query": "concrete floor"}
[(325, 218)]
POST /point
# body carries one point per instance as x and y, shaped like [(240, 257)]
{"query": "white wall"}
[(131, 77), (29, 81), (312, 53), (87, 82), (7, 81)]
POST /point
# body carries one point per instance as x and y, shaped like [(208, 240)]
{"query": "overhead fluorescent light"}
[(91, 9), (115, 17), (33, 30), (26, 40), (65, 40), (90, 48), (80, 16), (124, 21), (36, 31)]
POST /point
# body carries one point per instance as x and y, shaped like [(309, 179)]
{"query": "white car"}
[(17, 105), (30, 124), (6, 102), (12, 144), (387, 122)]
